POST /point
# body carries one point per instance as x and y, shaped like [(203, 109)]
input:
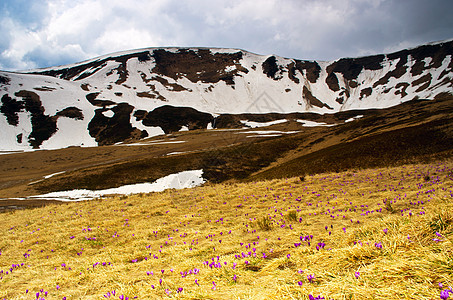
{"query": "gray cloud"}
[(52, 32)]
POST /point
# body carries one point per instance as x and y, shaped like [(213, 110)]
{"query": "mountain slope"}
[(123, 96), (412, 132)]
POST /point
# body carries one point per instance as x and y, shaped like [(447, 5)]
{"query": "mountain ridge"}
[(111, 98), (125, 52)]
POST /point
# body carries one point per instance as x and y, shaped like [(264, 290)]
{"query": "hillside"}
[(381, 233), (136, 94), (310, 180), (416, 131)]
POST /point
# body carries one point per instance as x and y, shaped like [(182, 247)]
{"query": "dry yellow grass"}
[(208, 242)]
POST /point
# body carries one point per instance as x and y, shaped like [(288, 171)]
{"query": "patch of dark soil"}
[(44, 89), (270, 68), (140, 114), (4, 80), (227, 121), (91, 97), (71, 112), (424, 82), (85, 87), (85, 70), (446, 82), (108, 131), (436, 52), (198, 65), (312, 100), (122, 71), (172, 119), (10, 108), (351, 67), (43, 126), (399, 71), (312, 69), (403, 86), (353, 84), (170, 86), (332, 82), (345, 92), (418, 68), (340, 100), (153, 95), (146, 95), (365, 92), (423, 87)]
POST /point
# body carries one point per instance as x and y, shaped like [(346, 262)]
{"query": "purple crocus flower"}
[(444, 294)]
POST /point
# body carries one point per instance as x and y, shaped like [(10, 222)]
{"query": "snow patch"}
[(108, 113), (252, 124), (353, 118), (263, 135), (306, 123), (267, 132), (181, 180), (176, 153), (54, 174)]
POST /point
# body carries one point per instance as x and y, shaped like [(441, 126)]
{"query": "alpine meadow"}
[(215, 173)]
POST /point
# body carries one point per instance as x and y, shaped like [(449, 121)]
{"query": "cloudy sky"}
[(41, 33)]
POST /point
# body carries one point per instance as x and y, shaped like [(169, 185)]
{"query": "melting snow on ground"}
[(182, 180), (267, 133), (252, 124), (353, 118), (306, 123)]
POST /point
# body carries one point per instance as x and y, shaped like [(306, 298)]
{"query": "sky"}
[(44, 33)]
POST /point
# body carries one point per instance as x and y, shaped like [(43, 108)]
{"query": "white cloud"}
[(63, 31)]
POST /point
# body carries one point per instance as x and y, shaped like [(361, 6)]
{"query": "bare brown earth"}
[(412, 132)]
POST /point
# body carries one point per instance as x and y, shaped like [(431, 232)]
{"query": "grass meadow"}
[(361, 234)]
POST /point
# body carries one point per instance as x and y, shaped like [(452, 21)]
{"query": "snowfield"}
[(84, 101), (181, 180)]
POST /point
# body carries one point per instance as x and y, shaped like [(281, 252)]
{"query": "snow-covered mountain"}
[(140, 93)]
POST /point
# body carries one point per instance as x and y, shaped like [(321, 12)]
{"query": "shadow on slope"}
[(422, 143), (411, 132)]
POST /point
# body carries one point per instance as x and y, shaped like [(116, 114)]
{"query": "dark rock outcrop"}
[(172, 119)]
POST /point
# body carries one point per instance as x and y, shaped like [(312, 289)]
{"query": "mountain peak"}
[(115, 97)]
